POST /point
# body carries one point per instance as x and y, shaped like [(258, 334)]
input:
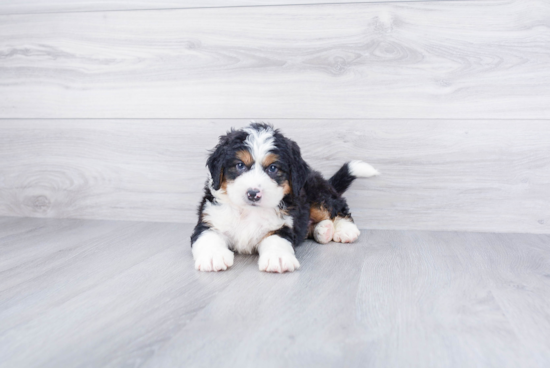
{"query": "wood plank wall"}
[(65, 6), (467, 60), (109, 114)]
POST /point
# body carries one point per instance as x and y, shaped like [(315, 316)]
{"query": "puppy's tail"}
[(349, 172)]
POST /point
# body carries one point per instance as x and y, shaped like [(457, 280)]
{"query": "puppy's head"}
[(257, 166)]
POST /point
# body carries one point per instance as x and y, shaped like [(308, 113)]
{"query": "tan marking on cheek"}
[(223, 185), (269, 159), (287, 189), (245, 157)]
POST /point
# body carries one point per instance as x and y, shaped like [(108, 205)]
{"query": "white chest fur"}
[(244, 227)]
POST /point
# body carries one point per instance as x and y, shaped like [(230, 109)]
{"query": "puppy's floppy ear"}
[(215, 163), (299, 169)]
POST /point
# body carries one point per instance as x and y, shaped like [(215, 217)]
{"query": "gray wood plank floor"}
[(81, 293), (481, 175), (435, 59)]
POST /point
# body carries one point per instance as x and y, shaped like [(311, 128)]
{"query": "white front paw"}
[(278, 262), (277, 255), (215, 259), (211, 254), (345, 231)]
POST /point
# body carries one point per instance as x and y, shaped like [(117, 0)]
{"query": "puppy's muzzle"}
[(254, 195)]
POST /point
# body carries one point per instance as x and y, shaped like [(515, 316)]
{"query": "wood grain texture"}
[(79, 293), (472, 59), (112, 291), (65, 6), (440, 175)]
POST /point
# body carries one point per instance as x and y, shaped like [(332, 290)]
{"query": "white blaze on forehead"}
[(260, 142)]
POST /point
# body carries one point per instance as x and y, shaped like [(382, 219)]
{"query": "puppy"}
[(262, 196)]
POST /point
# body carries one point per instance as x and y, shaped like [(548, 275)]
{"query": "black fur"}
[(298, 208), (319, 191), (342, 179), (308, 187), (202, 226), (286, 233), (199, 229), (217, 162)]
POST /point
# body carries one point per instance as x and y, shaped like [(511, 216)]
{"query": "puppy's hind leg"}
[(345, 231), (323, 231)]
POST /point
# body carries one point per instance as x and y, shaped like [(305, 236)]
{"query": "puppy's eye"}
[(272, 169), (240, 166)]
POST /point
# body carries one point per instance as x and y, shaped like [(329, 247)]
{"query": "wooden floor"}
[(105, 293)]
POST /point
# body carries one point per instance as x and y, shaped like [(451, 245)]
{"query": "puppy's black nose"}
[(253, 195)]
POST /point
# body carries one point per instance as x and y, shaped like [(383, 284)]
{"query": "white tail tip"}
[(361, 169)]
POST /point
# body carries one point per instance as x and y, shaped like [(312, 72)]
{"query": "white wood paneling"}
[(40, 6), (80, 293), (485, 175), (473, 59)]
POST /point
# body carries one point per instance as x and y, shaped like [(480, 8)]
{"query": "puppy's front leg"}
[(210, 252), (277, 255)]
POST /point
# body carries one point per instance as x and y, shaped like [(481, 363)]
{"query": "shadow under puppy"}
[(262, 196)]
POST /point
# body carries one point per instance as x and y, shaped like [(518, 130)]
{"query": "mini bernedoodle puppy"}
[(262, 196)]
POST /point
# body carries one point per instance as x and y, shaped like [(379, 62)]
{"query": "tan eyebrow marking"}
[(269, 159), (245, 157)]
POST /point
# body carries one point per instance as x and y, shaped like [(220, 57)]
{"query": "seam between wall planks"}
[(8, 13)]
